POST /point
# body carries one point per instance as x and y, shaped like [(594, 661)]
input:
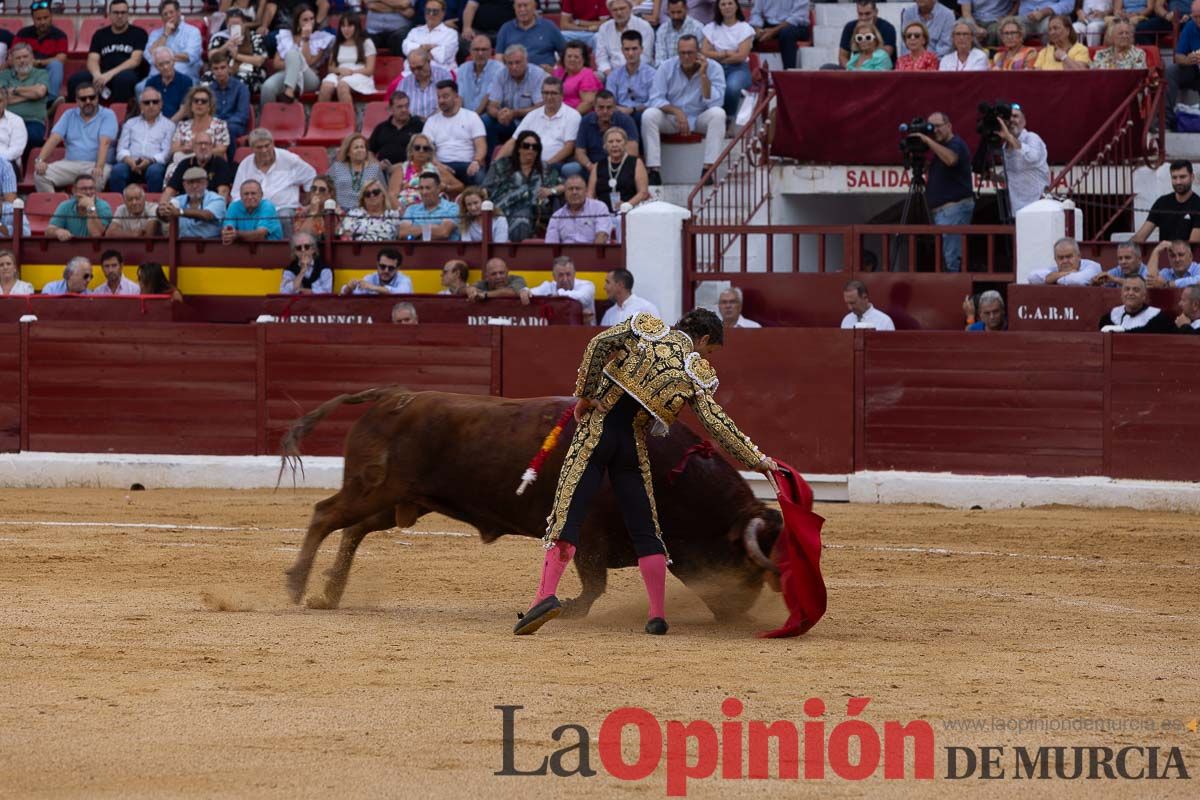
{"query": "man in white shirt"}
[(862, 313), (730, 306), (608, 39), (115, 281), (13, 134), (565, 284), (1069, 268), (144, 146), (458, 135), (619, 287), (557, 125), (1024, 160), (284, 176), (435, 37)]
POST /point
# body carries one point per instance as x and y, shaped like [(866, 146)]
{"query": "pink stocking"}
[(654, 575), (553, 567)]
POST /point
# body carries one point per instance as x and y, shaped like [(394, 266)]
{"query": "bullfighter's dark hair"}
[(701, 322)]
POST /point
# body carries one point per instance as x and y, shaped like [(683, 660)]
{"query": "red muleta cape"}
[(798, 554)]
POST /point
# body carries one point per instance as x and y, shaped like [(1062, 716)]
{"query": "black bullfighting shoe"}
[(538, 616), (657, 626)]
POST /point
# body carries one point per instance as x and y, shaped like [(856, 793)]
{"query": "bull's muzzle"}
[(754, 549)]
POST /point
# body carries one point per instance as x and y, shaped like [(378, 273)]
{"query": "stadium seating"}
[(114, 199), (285, 121), (26, 184), (329, 124), (386, 70), (12, 24), (373, 114), (87, 28), (39, 207)]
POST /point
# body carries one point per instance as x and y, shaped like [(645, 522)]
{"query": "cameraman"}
[(949, 191), (1024, 160)]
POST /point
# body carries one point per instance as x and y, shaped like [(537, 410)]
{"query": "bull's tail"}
[(289, 446)]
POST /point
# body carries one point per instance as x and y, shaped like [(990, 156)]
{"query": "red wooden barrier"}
[(1071, 308), (10, 388), (87, 308), (365, 309)]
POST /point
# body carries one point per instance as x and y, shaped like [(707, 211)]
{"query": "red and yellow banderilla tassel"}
[(548, 444)]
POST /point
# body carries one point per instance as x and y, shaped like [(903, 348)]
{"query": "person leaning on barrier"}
[(404, 314), (306, 273), (1135, 315), (581, 220), (497, 282), (566, 284), (1181, 271), (135, 217), (454, 277), (386, 279), (1129, 264), (1187, 322), (434, 213), (252, 218), (83, 215), (77, 274), (198, 210), (991, 314), (862, 313), (1069, 269), (950, 191)]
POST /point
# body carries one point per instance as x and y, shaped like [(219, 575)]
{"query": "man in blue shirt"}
[(984, 17), (89, 133), (992, 318), (386, 279), (477, 74), (542, 39), (198, 210), (251, 219), (688, 94), (786, 20), (182, 39), (631, 83), (232, 98), (83, 215), (511, 95), (434, 217), (1129, 265), (170, 83), (1036, 14), (589, 142), (1183, 72), (949, 191), (1183, 271), (77, 274)]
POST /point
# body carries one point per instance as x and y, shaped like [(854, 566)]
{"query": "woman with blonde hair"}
[(470, 217), (375, 219), (353, 166), (311, 218), (866, 50), (1013, 54), (919, 57), (619, 177), (405, 178), (10, 280)]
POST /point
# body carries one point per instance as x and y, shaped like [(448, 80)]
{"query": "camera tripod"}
[(916, 206), (991, 168)]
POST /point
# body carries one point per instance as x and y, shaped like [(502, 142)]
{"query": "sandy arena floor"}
[(142, 659)]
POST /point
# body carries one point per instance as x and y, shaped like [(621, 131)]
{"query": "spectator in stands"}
[(1091, 22), (1036, 14), (557, 127), (512, 95), (454, 277), (458, 135), (389, 21), (77, 274), (965, 57), (729, 304), (386, 279), (389, 141), (115, 57), (405, 182), (470, 217), (251, 218), (618, 285), (582, 220), (8, 182), (727, 40), (178, 36), (630, 84), (589, 142), (435, 37), (25, 93), (521, 186), (785, 20), (1135, 315), (566, 284), (950, 192), (868, 15), (937, 19), (676, 25), (48, 45), (8, 225), (1121, 52), (917, 58), (1129, 264), (1025, 161), (1064, 50), (84, 215), (434, 218), (476, 75), (581, 19), (351, 63), (220, 173), (299, 53), (1176, 214), (232, 96), (311, 218), (1182, 270), (991, 316), (619, 177), (985, 17), (88, 131), (497, 282), (1187, 322), (688, 93), (404, 314), (862, 313), (10, 280), (1069, 268), (151, 280), (1159, 19), (13, 134), (542, 40), (199, 210), (198, 110), (284, 176), (244, 53), (144, 146), (172, 86), (868, 55), (421, 84), (580, 84), (115, 282), (609, 53), (353, 166), (306, 273), (1013, 54), (374, 219), (486, 17), (135, 217)]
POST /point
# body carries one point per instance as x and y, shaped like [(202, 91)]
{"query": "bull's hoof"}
[(539, 615), (657, 626), (575, 608), (321, 602), (295, 585)]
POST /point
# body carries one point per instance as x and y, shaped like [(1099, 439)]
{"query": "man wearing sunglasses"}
[(144, 146), (114, 59), (89, 132), (387, 278), (867, 12), (48, 43)]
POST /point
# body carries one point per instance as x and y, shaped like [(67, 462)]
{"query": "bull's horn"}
[(750, 541)]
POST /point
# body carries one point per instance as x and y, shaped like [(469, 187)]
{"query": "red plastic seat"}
[(373, 114), (329, 124), (241, 154), (12, 24), (114, 199), (386, 70), (317, 157), (285, 121), (148, 24), (87, 28), (40, 207), (26, 184)]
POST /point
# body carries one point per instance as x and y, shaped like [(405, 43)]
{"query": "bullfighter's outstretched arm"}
[(727, 434), (599, 350)]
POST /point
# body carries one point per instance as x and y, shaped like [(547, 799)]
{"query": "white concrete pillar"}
[(1039, 225), (654, 254)]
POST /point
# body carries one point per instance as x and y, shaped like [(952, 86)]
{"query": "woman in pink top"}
[(580, 84), (918, 58)]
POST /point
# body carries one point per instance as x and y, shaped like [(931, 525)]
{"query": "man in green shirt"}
[(25, 87), (83, 215)]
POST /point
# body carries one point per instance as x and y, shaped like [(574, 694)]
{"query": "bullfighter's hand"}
[(581, 408), (768, 464)]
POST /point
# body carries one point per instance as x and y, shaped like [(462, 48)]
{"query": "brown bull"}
[(460, 455)]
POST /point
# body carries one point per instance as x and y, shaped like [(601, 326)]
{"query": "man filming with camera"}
[(949, 191), (1024, 161)]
